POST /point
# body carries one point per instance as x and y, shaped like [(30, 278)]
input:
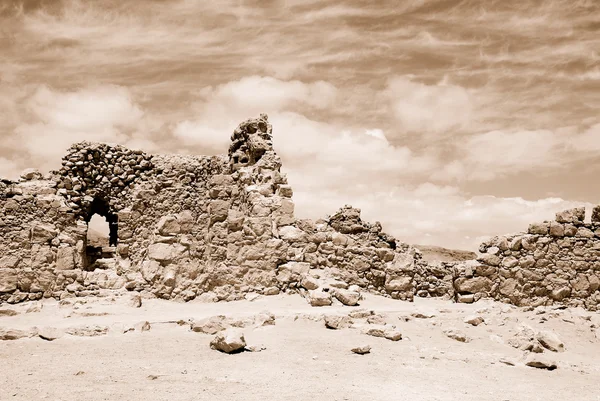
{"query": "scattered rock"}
[(347, 297), (319, 298), (540, 362), (34, 307), (229, 341), (550, 341), (251, 296), (389, 333), (50, 333), (8, 312), (87, 331), (360, 314), (376, 319), (337, 322), (457, 335), (254, 348), (142, 326), (474, 320), (212, 325), (507, 362), (362, 350), (135, 301), (13, 334), (422, 315), (309, 282)]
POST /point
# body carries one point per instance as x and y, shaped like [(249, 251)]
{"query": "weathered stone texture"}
[(222, 226)]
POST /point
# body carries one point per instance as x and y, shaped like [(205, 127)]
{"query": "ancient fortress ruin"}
[(220, 227)]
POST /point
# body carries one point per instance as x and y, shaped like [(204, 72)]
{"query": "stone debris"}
[(229, 341), (550, 340), (388, 332), (422, 315), (50, 333), (87, 331), (540, 362), (457, 335), (360, 313), (142, 326), (319, 298), (362, 350), (347, 297), (14, 334), (211, 325), (8, 312), (474, 320), (337, 322), (35, 307), (135, 301), (254, 348)]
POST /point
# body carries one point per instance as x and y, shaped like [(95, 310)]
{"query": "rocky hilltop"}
[(222, 227)]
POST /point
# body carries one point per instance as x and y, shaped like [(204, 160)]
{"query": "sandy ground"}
[(303, 360)]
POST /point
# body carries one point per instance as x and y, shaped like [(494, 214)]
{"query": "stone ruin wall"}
[(218, 227), (554, 262)]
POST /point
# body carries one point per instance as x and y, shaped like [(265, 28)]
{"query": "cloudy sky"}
[(447, 120)]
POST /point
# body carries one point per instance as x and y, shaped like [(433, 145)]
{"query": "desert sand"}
[(107, 356)]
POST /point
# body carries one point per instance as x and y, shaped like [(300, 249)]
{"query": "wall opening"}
[(102, 234)]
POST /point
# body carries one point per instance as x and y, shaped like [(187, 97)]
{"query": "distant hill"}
[(96, 238), (433, 253)]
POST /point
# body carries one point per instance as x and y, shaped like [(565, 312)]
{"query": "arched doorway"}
[(103, 233)]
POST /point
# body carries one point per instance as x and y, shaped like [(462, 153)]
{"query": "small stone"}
[(550, 341), (337, 322), (465, 299), (362, 350), (12, 334), (254, 348), (142, 326), (34, 307), (457, 335), (360, 314), (212, 325), (50, 333), (309, 282), (474, 320), (135, 301), (229, 341), (540, 362), (422, 315), (319, 298), (8, 312), (386, 332), (348, 298)]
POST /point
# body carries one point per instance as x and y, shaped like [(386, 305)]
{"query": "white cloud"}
[(423, 109), (58, 119)]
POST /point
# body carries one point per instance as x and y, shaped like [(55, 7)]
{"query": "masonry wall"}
[(188, 226), (554, 262)]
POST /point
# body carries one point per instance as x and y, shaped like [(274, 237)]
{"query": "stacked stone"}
[(435, 279), (90, 170), (554, 262)]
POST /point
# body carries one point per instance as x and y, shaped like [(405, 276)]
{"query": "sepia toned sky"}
[(447, 120)]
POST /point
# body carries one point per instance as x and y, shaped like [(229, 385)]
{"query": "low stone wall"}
[(555, 262)]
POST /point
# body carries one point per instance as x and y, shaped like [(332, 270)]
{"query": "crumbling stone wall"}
[(554, 262), (186, 226)]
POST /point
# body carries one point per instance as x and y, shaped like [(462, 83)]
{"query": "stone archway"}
[(95, 253)]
